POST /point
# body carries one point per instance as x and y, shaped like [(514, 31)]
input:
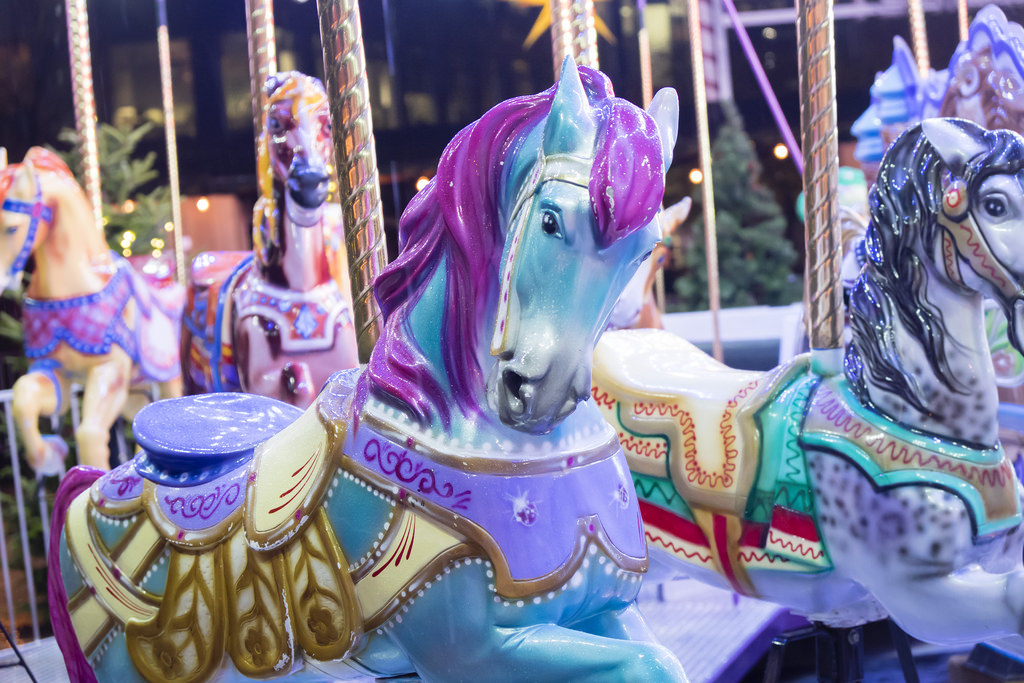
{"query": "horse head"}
[(568, 252), (517, 249), (982, 213), (295, 156), (26, 210)]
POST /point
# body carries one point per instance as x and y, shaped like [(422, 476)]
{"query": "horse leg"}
[(456, 631), (36, 395), (106, 390)]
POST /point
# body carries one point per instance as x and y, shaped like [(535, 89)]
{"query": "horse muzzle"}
[(534, 402), (307, 186)]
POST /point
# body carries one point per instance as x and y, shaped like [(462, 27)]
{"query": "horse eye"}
[(549, 224), (11, 229), (274, 125), (995, 207)]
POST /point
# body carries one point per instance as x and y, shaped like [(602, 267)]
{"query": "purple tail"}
[(75, 482)]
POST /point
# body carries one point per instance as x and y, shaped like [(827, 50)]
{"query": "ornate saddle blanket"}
[(91, 324), (737, 494), (211, 353), (306, 320), (234, 551)]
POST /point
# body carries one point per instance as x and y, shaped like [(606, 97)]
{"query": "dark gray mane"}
[(903, 232)]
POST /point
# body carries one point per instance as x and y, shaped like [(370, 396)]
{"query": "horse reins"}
[(962, 238), (566, 168), (37, 211)]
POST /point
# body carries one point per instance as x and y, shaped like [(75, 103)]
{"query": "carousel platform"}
[(718, 637)]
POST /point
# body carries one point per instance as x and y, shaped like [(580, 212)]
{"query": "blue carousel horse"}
[(879, 491), (458, 509)]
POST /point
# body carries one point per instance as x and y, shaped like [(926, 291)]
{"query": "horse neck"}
[(301, 260), (72, 257), (967, 412)]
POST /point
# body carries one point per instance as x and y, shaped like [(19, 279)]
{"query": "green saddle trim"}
[(661, 492), (840, 440), (781, 478)]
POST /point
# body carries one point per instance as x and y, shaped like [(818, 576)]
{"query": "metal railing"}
[(43, 499)]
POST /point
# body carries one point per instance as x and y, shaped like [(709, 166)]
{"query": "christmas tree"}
[(755, 259), (133, 220)]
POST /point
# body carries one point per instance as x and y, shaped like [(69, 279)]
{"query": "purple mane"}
[(456, 218)]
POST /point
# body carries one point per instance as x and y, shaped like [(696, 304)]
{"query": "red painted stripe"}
[(719, 527), (794, 523), (672, 523), (754, 535)]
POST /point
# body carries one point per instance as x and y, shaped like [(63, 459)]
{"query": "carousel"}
[(492, 455)]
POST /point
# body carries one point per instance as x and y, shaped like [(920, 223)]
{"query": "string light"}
[(128, 206), (780, 151), (421, 182), (696, 177), (202, 204), (168, 227)]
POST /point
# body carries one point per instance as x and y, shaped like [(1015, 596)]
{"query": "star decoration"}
[(543, 22)]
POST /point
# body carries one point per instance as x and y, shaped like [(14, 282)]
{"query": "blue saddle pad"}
[(190, 440)]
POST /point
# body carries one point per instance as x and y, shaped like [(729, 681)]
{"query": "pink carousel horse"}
[(274, 322), (89, 317)]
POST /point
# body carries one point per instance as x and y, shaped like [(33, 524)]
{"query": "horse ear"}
[(664, 109), (24, 179), (956, 141), (570, 127)]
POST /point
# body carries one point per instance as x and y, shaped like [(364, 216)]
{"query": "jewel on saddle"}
[(191, 440)]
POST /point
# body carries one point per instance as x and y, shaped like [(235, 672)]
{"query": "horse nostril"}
[(513, 383)]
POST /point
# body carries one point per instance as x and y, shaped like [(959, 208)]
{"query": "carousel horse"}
[(981, 84), (881, 490), (274, 321), (458, 508), (89, 317)]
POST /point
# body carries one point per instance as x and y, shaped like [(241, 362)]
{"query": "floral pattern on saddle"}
[(307, 320)]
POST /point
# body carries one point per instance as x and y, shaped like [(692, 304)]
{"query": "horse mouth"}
[(525, 403), (308, 188)]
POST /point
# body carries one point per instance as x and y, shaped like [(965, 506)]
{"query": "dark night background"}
[(452, 59)]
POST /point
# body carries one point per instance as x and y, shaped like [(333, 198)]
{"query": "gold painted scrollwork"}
[(259, 641), (325, 615), (185, 641)]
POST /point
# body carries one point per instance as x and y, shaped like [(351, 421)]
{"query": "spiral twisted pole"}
[(85, 102), (962, 21), (259, 28), (358, 181), (170, 135), (821, 178), (573, 33), (919, 36)]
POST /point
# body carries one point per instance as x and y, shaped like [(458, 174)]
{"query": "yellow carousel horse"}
[(89, 317)]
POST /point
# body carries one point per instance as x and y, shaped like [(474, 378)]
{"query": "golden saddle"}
[(683, 416)]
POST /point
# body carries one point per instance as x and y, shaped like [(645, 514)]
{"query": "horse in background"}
[(458, 508), (882, 491), (89, 317), (273, 321)]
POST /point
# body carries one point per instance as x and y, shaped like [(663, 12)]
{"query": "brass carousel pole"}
[(707, 185), (259, 27), (359, 183), (85, 102), (961, 17), (821, 180), (584, 33), (573, 33), (919, 36), (170, 133)]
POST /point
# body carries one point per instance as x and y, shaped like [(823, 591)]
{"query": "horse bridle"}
[(962, 239), (565, 168), (37, 211)]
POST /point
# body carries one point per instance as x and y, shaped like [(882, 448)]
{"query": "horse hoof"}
[(52, 463)]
